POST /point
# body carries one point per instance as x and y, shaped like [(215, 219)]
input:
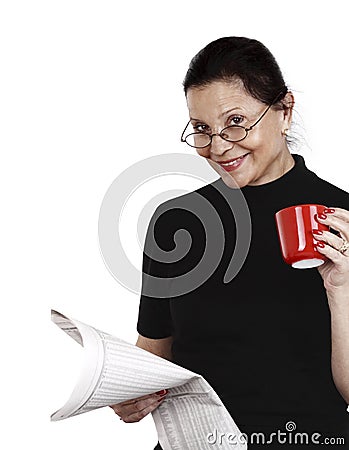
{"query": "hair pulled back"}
[(238, 58)]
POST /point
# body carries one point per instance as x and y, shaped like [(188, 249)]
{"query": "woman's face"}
[(264, 150)]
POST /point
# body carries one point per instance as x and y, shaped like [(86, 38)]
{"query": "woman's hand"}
[(335, 271), (134, 410)]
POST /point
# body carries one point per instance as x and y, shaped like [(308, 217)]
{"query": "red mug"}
[(295, 225)]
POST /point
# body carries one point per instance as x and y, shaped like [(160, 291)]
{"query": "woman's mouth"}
[(233, 164)]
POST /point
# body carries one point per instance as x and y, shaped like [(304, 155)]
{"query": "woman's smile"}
[(258, 157), (233, 164)]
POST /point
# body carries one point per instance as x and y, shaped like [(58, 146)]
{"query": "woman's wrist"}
[(338, 299)]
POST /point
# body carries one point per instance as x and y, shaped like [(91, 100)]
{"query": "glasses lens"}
[(234, 133), (198, 140)]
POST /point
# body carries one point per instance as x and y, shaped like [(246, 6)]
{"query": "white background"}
[(78, 78)]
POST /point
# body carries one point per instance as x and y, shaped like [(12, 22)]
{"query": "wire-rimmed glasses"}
[(231, 133)]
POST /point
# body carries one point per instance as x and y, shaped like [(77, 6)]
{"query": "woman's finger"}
[(335, 222), (139, 414), (136, 404), (340, 213), (329, 238), (334, 255), (124, 409), (133, 400)]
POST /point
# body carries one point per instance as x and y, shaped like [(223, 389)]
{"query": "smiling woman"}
[(273, 342), (228, 83), (263, 149)]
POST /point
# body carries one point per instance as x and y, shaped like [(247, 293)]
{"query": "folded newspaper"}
[(192, 416)]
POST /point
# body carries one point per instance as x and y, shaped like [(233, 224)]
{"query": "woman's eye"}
[(200, 128), (236, 120)]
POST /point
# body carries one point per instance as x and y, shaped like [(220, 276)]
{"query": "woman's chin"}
[(230, 179), (234, 182)]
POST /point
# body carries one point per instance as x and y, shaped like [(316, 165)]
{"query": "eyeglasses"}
[(232, 133)]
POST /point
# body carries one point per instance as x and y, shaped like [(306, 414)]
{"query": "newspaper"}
[(191, 417)]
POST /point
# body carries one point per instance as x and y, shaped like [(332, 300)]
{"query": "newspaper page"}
[(191, 417)]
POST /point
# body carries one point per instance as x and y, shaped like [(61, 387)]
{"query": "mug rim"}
[(301, 205)]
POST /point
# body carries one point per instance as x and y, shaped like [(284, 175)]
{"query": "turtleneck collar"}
[(289, 179), (292, 176), (291, 184)]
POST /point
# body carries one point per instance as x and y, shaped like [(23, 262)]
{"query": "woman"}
[(274, 341)]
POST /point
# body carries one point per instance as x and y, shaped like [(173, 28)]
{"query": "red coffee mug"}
[(298, 246)]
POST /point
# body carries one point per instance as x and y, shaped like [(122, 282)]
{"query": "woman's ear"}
[(288, 103)]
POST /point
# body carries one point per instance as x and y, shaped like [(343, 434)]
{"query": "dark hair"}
[(231, 58)]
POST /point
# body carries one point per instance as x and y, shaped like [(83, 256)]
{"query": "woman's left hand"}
[(335, 271)]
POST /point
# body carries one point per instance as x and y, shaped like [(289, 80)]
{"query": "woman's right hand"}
[(134, 410)]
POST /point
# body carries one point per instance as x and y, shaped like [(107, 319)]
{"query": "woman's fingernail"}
[(161, 399), (329, 211), (317, 232), (322, 216), (163, 392), (320, 244)]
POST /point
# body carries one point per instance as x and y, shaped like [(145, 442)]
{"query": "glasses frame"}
[(247, 129)]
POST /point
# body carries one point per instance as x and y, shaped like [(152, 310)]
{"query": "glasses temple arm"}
[(271, 104), (183, 140), (261, 117)]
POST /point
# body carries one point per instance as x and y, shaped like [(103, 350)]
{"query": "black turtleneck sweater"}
[(262, 340)]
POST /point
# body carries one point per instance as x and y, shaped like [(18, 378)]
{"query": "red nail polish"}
[(163, 392), (320, 244), (317, 232), (329, 211), (322, 216)]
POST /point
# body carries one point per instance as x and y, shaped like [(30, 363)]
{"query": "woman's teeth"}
[(233, 163)]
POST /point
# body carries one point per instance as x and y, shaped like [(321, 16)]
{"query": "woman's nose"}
[(220, 145)]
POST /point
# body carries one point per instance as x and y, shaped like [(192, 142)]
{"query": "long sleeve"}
[(154, 317)]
